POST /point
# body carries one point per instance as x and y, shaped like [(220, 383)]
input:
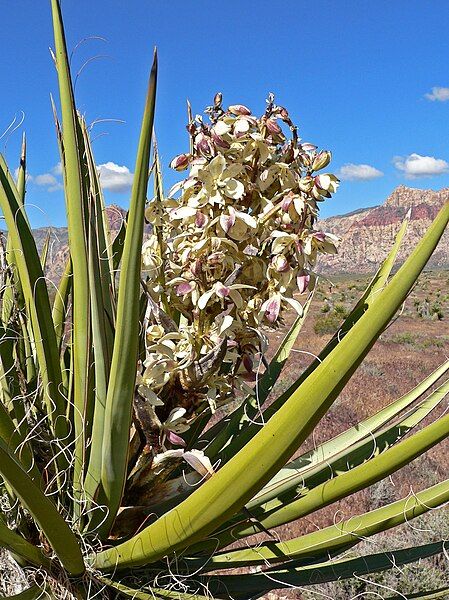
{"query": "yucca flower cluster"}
[(231, 246)]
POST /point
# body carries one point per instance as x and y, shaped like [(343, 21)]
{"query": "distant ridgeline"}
[(368, 234)]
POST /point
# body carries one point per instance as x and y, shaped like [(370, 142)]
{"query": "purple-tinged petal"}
[(222, 290), (200, 219), (303, 281), (181, 162), (308, 147), (175, 439), (239, 109), (273, 126), (227, 221), (272, 309), (219, 141), (184, 288)]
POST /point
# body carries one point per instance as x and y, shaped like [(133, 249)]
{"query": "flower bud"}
[(196, 268), (200, 219), (272, 309), (239, 109), (203, 145), (303, 280), (280, 263), (273, 127), (219, 141), (321, 160), (180, 162)]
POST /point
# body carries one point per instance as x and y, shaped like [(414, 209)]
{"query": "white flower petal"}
[(204, 299), (216, 166), (200, 462), (234, 189)]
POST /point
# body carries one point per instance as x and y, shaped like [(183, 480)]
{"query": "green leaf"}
[(76, 220), (61, 302), (101, 288), (37, 306), (354, 478), (253, 585), (117, 245), (17, 544), (341, 447), (119, 401), (227, 491), (339, 536), (154, 594), (53, 525), (32, 593), (302, 491), (44, 251)]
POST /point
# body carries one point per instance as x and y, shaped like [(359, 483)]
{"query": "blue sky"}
[(366, 79)]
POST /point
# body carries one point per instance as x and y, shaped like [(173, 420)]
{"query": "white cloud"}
[(57, 169), (49, 181), (115, 178), (414, 165), (352, 172), (441, 94), (45, 179)]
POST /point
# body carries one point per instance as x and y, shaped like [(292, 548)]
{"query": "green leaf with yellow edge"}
[(341, 535), (228, 490)]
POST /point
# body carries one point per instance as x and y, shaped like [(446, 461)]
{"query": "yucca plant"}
[(116, 479)]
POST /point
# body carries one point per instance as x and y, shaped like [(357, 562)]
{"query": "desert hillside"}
[(367, 234)]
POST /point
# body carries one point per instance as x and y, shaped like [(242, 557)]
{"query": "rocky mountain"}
[(367, 235)]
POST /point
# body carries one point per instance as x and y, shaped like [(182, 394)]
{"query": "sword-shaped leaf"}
[(119, 401), (248, 471), (338, 536)]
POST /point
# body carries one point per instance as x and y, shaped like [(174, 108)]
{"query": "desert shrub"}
[(327, 325)]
